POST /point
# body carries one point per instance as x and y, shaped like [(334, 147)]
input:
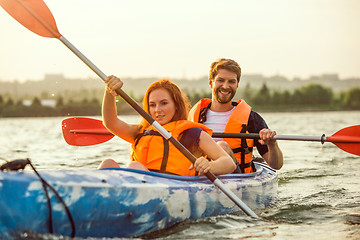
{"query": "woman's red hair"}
[(182, 103)]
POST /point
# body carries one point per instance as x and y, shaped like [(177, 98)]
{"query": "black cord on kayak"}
[(18, 164), (60, 199)]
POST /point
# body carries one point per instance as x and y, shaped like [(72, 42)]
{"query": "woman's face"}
[(161, 106)]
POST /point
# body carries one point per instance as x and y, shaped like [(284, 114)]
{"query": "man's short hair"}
[(224, 63)]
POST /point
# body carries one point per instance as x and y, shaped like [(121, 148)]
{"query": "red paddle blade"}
[(76, 131), (347, 139), (34, 15)]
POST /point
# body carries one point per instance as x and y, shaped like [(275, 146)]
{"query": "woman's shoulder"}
[(193, 132), (190, 137)]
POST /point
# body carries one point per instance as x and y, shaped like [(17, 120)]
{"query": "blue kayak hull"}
[(122, 202)]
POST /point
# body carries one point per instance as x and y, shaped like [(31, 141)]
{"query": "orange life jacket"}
[(237, 122), (157, 154)]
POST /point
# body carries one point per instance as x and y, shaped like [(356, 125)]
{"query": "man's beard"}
[(223, 100)]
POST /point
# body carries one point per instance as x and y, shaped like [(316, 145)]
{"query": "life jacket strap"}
[(166, 151), (244, 149), (165, 156), (237, 150), (202, 113)]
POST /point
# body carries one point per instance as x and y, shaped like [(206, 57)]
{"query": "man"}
[(222, 114)]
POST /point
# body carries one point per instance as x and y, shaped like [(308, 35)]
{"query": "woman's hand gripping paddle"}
[(36, 16)]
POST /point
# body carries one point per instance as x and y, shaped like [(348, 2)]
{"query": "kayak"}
[(121, 202)]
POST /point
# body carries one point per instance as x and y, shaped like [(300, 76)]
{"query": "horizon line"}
[(45, 75)]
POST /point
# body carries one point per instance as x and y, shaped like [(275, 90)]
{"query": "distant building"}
[(48, 102), (44, 102)]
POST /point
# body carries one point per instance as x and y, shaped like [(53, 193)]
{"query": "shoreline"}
[(261, 109)]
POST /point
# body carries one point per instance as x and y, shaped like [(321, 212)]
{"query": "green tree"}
[(247, 93), (277, 98), (352, 98), (59, 102), (316, 94), (263, 96), (36, 102), (9, 102), (286, 97), (19, 103), (296, 97)]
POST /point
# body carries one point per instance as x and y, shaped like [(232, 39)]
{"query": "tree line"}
[(309, 97)]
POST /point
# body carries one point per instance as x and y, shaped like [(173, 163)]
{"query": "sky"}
[(180, 39)]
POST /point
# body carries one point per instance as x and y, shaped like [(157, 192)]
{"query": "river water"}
[(319, 185)]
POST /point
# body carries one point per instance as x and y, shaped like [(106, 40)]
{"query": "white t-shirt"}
[(217, 121)]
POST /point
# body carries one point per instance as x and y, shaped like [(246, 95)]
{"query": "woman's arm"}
[(221, 162), (109, 112)]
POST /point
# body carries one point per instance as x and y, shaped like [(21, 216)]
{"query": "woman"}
[(165, 102)]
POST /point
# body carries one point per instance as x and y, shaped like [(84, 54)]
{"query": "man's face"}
[(224, 86)]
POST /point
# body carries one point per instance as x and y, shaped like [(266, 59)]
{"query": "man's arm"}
[(269, 150), (274, 156)]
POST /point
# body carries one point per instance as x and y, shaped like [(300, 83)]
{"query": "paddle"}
[(36, 16), (88, 131)]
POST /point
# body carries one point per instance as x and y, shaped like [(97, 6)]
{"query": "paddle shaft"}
[(322, 139), (102, 75), (162, 130), (276, 137)]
